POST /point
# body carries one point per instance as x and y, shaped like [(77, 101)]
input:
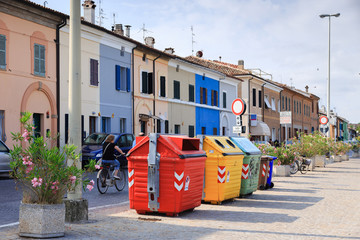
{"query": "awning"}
[(261, 129)]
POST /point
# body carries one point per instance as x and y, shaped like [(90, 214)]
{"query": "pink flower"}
[(36, 182), (92, 182), (29, 169), (97, 166), (90, 187), (73, 179)]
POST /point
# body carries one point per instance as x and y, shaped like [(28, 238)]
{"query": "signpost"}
[(324, 128), (238, 108)]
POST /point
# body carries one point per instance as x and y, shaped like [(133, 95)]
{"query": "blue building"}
[(115, 88), (207, 105)]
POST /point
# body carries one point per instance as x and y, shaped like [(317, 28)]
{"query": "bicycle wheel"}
[(304, 168), (294, 167), (101, 181), (120, 183)]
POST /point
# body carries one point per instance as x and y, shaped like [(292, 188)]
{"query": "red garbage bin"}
[(166, 174)]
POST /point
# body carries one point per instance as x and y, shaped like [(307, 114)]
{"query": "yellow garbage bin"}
[(223, 168)]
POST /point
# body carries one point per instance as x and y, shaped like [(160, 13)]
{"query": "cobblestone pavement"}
[(323, 204)]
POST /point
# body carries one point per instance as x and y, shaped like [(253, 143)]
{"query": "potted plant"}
[(42, 173), (337, 149), (355, 148), (346, 147)]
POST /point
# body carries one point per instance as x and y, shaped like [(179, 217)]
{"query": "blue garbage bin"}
[(270, 184)]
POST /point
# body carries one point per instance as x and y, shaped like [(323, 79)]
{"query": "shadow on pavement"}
[(305, 199), (295, 190)]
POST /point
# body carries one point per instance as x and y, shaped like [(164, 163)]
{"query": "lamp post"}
[(328, 82)]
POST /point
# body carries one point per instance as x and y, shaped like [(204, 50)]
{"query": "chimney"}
[(127, 30), (150, 41), (241, 64), (119, 29), (307, 88), (89, 11), (169, 50)]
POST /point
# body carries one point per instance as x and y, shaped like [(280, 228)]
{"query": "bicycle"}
[(105, 178), (302, 166)]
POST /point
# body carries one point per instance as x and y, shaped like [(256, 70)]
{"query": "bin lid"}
[(220, 144), (180, 145), (246, 146)]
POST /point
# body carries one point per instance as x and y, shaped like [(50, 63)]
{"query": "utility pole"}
[(76, 207)]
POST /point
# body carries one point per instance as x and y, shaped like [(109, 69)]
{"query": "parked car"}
[(92, 146), (4, 158)]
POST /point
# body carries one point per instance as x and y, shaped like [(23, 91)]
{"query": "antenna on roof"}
[(144, 30), (192, 40), (114, 19), (45, 3), (101, 14)]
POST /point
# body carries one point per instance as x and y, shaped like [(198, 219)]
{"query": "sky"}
[(285, 38)]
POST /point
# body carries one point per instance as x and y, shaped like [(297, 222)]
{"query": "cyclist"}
[(108, 154)]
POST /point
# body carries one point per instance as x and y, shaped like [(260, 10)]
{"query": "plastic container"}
[(251, 165), (222, 168), (166, 174)]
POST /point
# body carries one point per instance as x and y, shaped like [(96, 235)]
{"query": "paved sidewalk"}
[(323, 204)]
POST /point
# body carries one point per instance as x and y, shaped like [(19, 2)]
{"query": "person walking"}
[(108, 154)]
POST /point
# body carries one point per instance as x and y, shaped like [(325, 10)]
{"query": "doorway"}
[(37, 120)]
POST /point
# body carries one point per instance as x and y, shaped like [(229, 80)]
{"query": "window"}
[(94, 72), (105, 124), (215, 131), (300, 107), (143, 127), (39, 60), (66, 128), (254, 97), (2, 125), (203, 95), (304, 110), (122, 125), (177, 129), (162, 86), (224, 99), (122, 78), (294, 106), (158, 125), (286, 104), (203, 130), (260, 99), (92, 125), (214, 98), (147, 82), (2, 52), (273, 106), (289, 105), (279, 105), (191, 131), (191, 93), (282, 100), (267, 103), (176, 89), (297, 107), (122, 51), (166, 126)]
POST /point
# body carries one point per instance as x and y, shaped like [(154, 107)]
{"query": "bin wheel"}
[(172, 214), (215, 203), (271, 185), (262, 187), (140, 212)]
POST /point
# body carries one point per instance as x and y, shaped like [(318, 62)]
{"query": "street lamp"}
[(328, 83)]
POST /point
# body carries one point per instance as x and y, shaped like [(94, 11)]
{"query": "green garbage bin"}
[(251, 165)]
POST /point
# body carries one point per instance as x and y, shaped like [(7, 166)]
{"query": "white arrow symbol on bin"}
[(179, 177), (178, 187)]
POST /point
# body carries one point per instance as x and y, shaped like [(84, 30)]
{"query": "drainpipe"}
[(63, 23), (132, 88), (249, 104), (153, 82)]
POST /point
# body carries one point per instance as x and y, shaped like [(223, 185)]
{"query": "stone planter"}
[(282, 171), (355, 155), (319, 161), (336, 158), (344, 157), (42, 220), (312, 164)]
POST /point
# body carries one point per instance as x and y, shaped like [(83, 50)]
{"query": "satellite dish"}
[(199, 54)]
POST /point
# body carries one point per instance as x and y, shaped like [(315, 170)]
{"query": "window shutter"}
[(2, 52), (128, 83), (212, 97), (162, 86), (216, 99), (144, 79), (205, 95), (254, 97), (150, 83), (96, 80), (260, 99), (191, 93), (166, 126), (117, 77), (176, 89), (42, 60), (201, 95), (224, 99)]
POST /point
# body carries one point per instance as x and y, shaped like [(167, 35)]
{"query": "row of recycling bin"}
[(173, 173)]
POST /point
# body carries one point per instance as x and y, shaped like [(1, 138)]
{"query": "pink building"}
[(28, 66)]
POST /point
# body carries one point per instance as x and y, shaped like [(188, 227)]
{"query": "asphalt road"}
[(10, 199)]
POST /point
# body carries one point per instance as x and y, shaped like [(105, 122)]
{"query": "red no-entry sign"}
[(238, 106), (323, 120)]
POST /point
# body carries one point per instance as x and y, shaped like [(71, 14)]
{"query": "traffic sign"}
[(238, 121), (323, 120), (238, 106), (237, 129)]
